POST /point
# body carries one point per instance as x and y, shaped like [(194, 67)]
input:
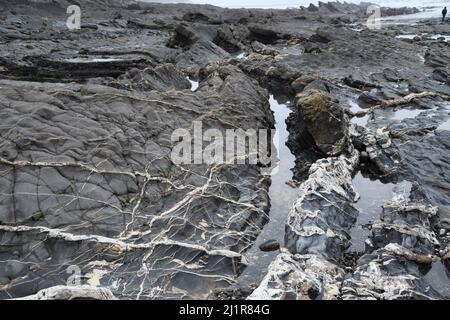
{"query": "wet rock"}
[(427, 166), (316, 236), (378, 147), (369, 99), (269, 245), (325, 120), (88, 177), (302, 144), (300, 277), (384, 275), (407, 225), (399, 250), (323, 215)]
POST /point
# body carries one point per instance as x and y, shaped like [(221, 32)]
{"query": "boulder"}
[(269, 245), (325, 120)]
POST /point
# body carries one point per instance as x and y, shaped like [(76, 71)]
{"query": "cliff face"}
[(93, 205)]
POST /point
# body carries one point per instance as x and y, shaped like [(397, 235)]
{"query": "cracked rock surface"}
[(87, 180), (89, 192)]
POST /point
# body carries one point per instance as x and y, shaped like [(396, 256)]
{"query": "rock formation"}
[(92, 205)]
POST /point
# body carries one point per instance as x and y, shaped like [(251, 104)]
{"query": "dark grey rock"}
[(85, 139), (269, 245), (161, 78)]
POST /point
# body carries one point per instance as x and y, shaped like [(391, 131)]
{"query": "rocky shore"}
[(93, 206)]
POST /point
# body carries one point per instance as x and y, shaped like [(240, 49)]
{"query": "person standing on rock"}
[(444, 13)]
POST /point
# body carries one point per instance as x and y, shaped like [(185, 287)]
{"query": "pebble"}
[(269, 245)]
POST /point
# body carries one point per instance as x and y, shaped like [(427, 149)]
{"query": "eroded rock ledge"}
[(397, 251), (316, 235), (87, 180)]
